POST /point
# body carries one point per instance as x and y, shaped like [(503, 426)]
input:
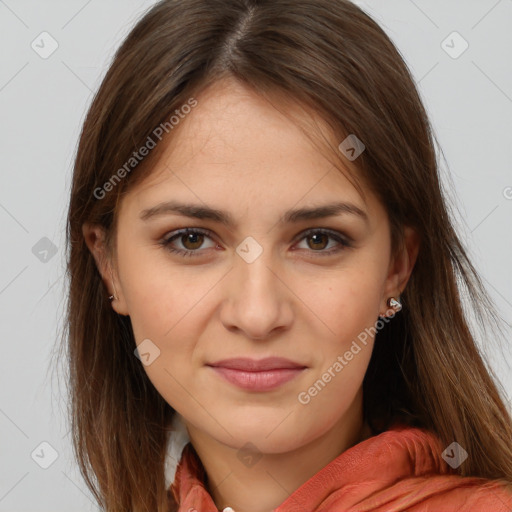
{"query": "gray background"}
[(43, 103)]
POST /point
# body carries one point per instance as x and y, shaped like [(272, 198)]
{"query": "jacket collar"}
[(369, 466)]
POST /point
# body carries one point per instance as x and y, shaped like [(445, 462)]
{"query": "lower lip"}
[(258, 381)]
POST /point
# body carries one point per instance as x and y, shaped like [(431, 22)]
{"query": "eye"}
[(318, 239), (191, 239)]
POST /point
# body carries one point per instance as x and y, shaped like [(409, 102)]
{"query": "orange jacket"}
[(398, 470)]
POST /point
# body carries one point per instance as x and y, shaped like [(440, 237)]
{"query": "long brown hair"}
[(329, 56)]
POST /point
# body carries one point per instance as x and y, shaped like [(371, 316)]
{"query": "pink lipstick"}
[(258, 375)]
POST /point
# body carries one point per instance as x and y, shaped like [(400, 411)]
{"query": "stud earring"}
[(394, 303)]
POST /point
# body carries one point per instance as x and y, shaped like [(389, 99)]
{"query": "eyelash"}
[(166, 242)]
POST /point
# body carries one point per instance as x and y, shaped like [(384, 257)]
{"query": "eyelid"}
[(343, 240), (184, 231), (331, 232)]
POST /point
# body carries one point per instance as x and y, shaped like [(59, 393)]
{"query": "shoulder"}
[(434, 493), (402, 470), (452, 493)]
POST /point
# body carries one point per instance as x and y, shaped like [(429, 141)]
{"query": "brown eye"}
[(323, 242), (319, 241), (192, 241)]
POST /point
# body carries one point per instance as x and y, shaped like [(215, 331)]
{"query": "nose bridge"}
[(258, 301), (252, 271), (257, 275)]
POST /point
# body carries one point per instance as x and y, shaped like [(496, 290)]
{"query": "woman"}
[(256, 191)]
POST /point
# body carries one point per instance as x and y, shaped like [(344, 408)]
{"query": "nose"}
[(258, 302)]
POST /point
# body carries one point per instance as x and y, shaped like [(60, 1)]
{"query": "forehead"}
[(236, 142)]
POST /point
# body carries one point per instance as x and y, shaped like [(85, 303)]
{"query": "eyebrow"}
[(225, 218)]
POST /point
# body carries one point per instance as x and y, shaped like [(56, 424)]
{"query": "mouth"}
[(253, 375)]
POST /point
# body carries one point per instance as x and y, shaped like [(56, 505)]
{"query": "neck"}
[(265, 484)]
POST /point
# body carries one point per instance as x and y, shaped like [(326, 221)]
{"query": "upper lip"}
[(254, 365)]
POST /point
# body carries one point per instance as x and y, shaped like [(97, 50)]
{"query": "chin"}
[(273, 438)]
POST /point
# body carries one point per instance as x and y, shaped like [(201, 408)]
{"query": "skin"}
[(237, 153)]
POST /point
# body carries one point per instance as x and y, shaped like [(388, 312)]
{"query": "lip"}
[(257, 365), (258, 375)]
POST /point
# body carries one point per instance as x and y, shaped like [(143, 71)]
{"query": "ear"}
[(400, 267), (94, 236)]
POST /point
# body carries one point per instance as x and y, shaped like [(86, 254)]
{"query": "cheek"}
[(343, 354), (344, 302), (168, 307), (346, 309), (158, 293)]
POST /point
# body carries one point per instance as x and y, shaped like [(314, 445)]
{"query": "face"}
[(251, 280)]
